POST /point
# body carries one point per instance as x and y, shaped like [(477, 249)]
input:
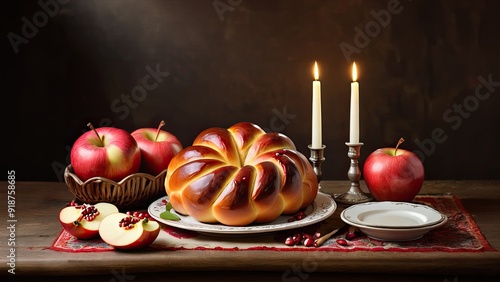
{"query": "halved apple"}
[(82, 221), (126, 231)]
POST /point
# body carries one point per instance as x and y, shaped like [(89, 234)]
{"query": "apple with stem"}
[(393, 174), (107, 152), (128, 231), (82, 221), (157, 146)]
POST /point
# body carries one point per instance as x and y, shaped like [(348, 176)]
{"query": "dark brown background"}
[(231, 60)]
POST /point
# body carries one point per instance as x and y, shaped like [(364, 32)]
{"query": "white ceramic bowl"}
[(393, 221), (392, 214)]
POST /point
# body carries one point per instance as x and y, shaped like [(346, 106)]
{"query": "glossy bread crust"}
[(240, 175)]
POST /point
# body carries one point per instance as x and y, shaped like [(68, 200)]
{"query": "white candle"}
[(317, 142), (354, 126)]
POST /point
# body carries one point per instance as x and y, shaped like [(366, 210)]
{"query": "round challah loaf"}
[(240, 175)]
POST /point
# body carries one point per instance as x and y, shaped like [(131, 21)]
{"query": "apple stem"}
[(162, 123), (98, 137), (401, 140)]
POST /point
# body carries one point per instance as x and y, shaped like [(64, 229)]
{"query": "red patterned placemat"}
[(459, 234)]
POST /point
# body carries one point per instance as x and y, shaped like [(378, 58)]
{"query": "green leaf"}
[(167, 214), (170, 216)]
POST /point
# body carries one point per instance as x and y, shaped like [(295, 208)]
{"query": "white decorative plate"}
[(392, 215), (395, 234), (322, 207)]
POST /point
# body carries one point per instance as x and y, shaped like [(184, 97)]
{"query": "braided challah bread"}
[(239, 176)]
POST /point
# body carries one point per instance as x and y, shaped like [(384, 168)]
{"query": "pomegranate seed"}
[(352, 233), (342, 242), (350, 236), (289, 241), (307, 236), (303, 238), (73, 203), (89, 212), (297, 238), (129, 221), (298, 216), (308, 242)]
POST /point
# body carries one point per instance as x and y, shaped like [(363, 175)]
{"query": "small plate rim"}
[(350, 213)]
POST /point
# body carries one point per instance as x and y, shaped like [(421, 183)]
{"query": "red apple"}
[(82, 221), (106, 152), (127, 232), (393, 174), (157, 146)]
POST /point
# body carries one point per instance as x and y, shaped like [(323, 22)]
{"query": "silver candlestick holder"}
[(317, 158), (354, 195)]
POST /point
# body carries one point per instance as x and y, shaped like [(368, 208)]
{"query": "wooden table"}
[(37, 205)]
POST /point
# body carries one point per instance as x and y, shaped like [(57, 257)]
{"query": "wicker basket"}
[(135, 190)]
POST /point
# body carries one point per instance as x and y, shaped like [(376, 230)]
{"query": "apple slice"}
[(127, 232), (82, 221)]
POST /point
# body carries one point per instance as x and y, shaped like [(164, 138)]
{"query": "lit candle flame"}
[(354, 72), (316, 71)]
